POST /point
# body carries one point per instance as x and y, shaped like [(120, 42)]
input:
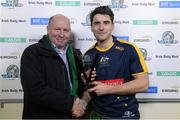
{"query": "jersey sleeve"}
[(137, 62)]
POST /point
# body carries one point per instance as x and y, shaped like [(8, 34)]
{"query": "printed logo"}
[(126, 38), (13, 20), (118, 81), (144, 52), (150, 73), (104, 60), (170, 22), (93, 3), (73, 20), (33, 39), (87, 22), (170, 90), (167, 56), (67, 3), (169, 4), (12, 40), (12, 71), (128, 114), (144, 39), (8, 57), (87, 60), (145, 22), (43, 3), (168, 73), (119, 48), (121, 22), (12, 4), (14, 55), (39, 21), (152, 89), (117, 4), (11, 90), (87, 39), (144, 4), (167, 38)]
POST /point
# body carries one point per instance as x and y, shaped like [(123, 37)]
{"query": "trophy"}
[(88, 79), (88, 83)]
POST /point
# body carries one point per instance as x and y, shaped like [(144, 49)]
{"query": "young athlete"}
[(121, 71)]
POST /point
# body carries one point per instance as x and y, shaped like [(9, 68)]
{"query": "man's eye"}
[(66, 30), (96, 23), (57, 29), (106, 22)]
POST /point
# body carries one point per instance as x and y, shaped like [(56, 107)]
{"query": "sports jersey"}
[(115, 66)]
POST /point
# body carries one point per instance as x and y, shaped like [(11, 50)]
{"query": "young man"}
[(49, 75), (120, 70)]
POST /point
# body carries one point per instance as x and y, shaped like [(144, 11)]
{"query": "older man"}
[(49, 74)]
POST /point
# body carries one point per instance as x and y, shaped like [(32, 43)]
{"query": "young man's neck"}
[(105, 44)]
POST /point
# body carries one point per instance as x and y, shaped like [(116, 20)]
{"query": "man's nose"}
[(101, 26), (61, 33)]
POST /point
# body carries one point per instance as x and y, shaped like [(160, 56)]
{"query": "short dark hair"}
[(104, 10)]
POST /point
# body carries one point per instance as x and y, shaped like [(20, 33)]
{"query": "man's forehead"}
[(101, 17), (102, 20)]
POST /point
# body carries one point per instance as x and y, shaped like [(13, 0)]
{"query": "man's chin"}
[(101, 39)]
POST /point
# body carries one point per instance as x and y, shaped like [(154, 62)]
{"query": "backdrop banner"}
[(153, 25)]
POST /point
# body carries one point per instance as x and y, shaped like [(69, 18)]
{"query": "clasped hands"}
[(79, 107)]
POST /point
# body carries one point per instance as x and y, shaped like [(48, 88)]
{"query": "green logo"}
[(145, 22), (67, 3), (168, 73), (12, 40)]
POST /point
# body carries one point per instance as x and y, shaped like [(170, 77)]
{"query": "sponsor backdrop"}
[(153, 25)]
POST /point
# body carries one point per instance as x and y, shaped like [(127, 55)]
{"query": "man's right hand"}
[(78, 108)]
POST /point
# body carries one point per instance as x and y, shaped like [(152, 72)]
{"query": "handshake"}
[(79, 107)]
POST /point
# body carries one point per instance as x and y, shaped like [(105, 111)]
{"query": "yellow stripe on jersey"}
[(142, 61), (100, 49), (104, 50)]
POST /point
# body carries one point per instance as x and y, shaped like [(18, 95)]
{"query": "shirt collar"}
[(58, 50)]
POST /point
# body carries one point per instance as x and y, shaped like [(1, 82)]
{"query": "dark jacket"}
[(45, 83)]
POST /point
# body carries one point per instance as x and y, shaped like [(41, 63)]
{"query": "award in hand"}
[(88, 79)]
